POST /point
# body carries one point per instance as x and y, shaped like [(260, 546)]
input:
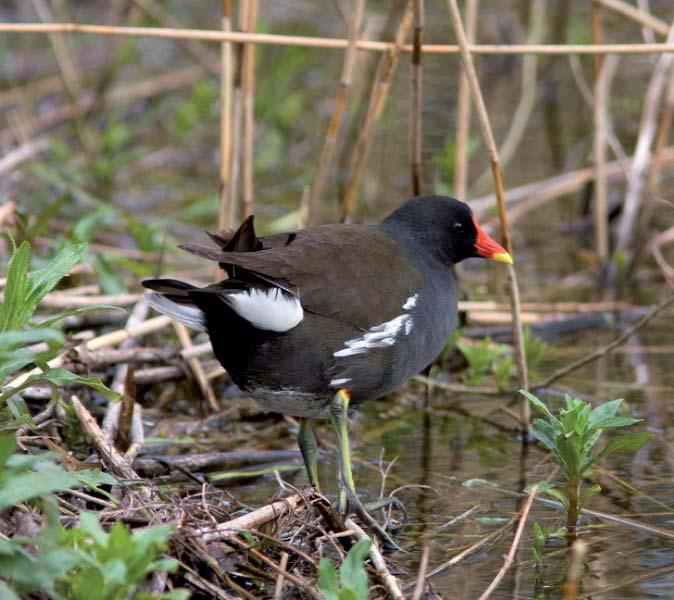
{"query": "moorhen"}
[(314, 322)]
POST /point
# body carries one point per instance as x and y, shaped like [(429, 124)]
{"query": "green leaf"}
[(538, 533), (540, 406), (16, 288), (613, 422), (587, 494), (603, 411), (558, 495), (78, 311), (108, 276), (544, 433), (7, 592), (352, 573), (7, 447), (627, 443), (327, 580), (62, 377), (35, 484), (10, 340), (44, 280)]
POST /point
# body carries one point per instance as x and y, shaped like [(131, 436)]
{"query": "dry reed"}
[(334, 127), (492, 151)]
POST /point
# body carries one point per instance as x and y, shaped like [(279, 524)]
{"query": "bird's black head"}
[(445, 227)]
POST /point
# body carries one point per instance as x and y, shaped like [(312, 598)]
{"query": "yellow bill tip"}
[(502, 257)]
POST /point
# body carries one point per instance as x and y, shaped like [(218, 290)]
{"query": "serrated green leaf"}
[(630, 442)]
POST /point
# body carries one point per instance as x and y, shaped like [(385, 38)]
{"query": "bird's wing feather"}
[(352, 273)]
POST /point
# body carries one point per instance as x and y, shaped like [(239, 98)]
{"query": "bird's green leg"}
[(309, 449), (339, 417)]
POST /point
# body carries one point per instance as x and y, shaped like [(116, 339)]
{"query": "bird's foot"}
[(385, 503), (360, 510)]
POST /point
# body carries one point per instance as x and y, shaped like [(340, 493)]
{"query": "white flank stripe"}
[(271, 310), (379, 336), (382, 335), (339, 382), (187, 315), (411, 302)]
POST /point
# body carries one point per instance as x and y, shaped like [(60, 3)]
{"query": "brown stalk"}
[(490, 144), (196, 368), (271, 512), (534, 194), (574, 572), (158, 13), (642, 154), (637, 15), (510, 557), (332, 134), (463, 112), (117, 464), (528, 92), (602, 351), (248, 85), (662, 137), (597, 37), (421, 574), (103, 341), (389, 581), (217, 36), (226, 83), (380, 90), (280, 579), (415, 106), (601, 95), (128, 403)]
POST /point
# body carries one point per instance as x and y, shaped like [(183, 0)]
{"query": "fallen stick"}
[(219, 36), (106, 340), (155, 465), (546, 307), (114, 460), (421, 574), (621, 339), (389, 581), (510, 557), (294, 503)]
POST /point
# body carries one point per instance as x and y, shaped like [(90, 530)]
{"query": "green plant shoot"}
[(352, 582), (571, 437)]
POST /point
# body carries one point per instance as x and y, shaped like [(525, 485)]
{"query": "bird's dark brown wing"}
[(353, 273)]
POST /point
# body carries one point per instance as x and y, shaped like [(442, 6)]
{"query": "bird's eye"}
[(458, 228)]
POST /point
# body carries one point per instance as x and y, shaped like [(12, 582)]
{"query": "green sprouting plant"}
[(71, 564), (535, 352), (541, 536), (503, 369), (482, 358), (18, 331), (352, 582), (112, 565), (571, 438)]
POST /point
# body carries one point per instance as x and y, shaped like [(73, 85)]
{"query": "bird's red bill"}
[(487, 248)]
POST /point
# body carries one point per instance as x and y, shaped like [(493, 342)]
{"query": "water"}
[(168, 169)]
